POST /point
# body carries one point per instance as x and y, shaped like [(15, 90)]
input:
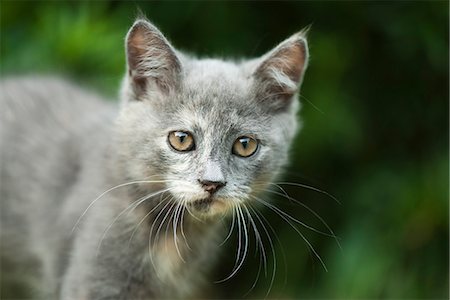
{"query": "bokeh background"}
[(375, 112)]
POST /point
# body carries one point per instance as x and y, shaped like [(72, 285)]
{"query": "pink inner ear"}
[(293, 59), (289, 60), (136, 46), (280, 74), (148, 49), (151, 59)]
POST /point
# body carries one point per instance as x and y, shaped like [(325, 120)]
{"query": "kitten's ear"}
[(152, 61), (280, 72)]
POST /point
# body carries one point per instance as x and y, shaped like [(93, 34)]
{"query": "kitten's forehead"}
[(206, 71), (215, 94), (216, 78), (214, 115)]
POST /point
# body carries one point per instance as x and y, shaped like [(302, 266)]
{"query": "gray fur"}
[(61, 147)]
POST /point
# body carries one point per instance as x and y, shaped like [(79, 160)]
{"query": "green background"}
[(375, 135)]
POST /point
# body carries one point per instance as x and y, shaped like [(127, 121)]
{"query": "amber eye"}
[(245, 146), (181, 141)]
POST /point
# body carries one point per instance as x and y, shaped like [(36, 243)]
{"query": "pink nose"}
[(211, 186)]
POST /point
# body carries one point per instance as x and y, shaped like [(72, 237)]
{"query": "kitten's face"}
[(215, 133)]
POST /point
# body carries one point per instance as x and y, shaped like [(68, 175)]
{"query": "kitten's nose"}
[(211, 186)]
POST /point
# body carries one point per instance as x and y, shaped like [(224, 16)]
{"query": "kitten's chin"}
[(209, 207)]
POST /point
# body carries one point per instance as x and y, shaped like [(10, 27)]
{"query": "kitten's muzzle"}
[(211, 186)]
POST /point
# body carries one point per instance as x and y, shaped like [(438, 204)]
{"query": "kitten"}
[(106, 202)]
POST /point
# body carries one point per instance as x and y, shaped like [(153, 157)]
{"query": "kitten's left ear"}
[(280, 72), (152, 61)]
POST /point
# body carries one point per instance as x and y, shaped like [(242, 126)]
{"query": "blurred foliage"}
[(375, 134)]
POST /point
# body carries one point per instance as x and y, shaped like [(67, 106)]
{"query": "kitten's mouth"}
[(208, 207), (202, 205)]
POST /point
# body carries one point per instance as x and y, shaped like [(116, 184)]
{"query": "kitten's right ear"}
[(152, 61)]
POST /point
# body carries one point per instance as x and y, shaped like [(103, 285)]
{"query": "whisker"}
[(257, 235), (239, 237), (336, 238), (274, 208), (182, 228), (256, 279), (246, 243), (110, 190), (310, 188), (297, 230), (273, 95), (166, 217), (133, 205), (315, 107), (174, 224), (238, 253), (150, 235), (262, 256), (148, 214), (192, 215), (245, 234), (230, 232), (279, 187), (274, 259), (171, 214)]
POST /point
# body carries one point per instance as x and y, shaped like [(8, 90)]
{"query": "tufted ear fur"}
[(280, 72), (152, 61)]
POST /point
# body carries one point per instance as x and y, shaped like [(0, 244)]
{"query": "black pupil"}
[(245, 142), (182, 136)]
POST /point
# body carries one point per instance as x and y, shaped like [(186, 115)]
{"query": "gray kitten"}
[(106, 202)]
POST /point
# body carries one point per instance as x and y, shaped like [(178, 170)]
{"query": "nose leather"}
[(211, 186)]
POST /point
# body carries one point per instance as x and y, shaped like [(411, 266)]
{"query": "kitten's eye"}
[(245, 146), (181, 141)]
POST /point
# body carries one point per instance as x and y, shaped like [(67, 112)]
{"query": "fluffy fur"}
[(95, 204)]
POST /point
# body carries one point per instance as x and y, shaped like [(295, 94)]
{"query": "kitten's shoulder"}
[(44, 86)]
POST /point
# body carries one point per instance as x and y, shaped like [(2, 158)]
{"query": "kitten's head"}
[(212, 132)]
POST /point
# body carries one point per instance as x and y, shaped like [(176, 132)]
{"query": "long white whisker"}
[(166, 217), (262, 256), (109, 190), (247, 239), (148, 214), (258, 274), (257, 234), (170, 215), (279, 187), (132, 206), (150, 235), (239, 237), (192, 215), (311, 211), (315, 107), (279, 211), (182, 227), (296, 229), (174, 224), (274, 259), (246, 243), (230, 232), (310, 188), (238, 253)]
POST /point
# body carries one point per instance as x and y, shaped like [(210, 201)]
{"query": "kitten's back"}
[(44, 123)]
